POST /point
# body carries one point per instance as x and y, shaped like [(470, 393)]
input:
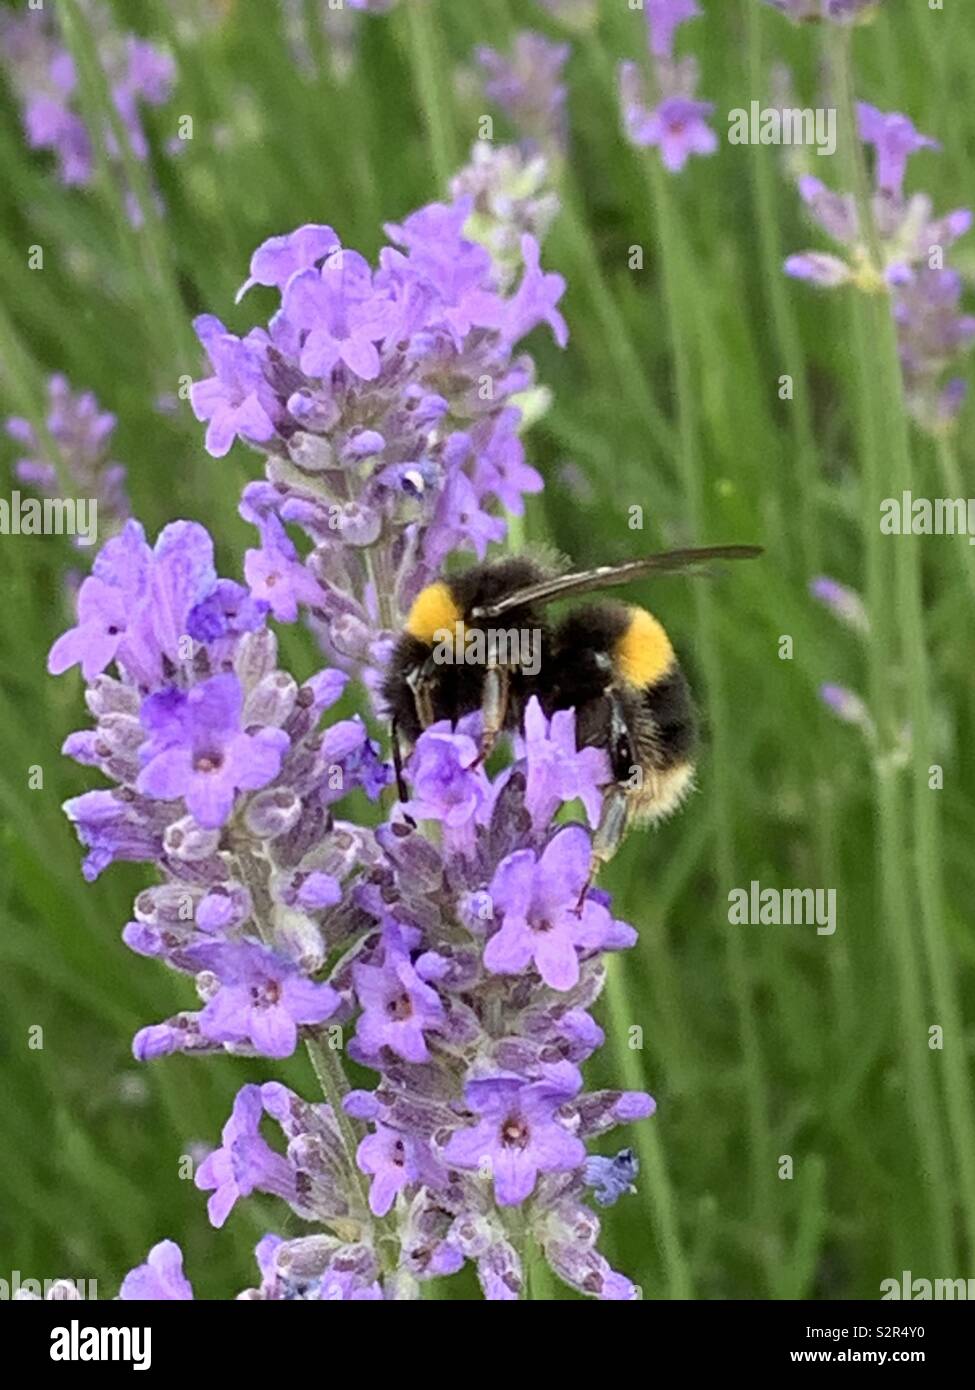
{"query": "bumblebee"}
[(481, 639)]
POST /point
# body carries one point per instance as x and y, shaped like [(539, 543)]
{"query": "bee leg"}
[(494, 704), (421, 680), (609, 836), (397, 750)]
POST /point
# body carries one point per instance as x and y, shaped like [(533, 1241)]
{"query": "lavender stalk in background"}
[(834, 11), (925, 293), (667, 114), (82, 432), (528, 87), (42, 74)]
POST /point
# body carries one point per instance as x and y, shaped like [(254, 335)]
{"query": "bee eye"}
[(602, 661)]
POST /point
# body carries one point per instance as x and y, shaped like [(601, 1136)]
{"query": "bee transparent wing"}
[(691, 561)]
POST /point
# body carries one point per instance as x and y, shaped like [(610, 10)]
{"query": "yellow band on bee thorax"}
[(643, 654), (434, 609)]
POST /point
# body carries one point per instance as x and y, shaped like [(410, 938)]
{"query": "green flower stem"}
[(887, 467), (954, 487), (678, 289), (431, 76)]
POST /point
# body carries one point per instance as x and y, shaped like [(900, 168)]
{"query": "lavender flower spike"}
[(455, 967), (677, 123)]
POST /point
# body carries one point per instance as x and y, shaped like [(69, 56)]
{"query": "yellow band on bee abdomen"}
[(433, 610), (643, 654)]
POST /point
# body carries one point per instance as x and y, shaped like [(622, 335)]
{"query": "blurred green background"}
[(757, 1041)]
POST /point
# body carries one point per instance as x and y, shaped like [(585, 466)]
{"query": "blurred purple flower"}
[(528, 87), (664, 18), (894, 138)]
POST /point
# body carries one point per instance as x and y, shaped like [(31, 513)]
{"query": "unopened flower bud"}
[(273, 813)]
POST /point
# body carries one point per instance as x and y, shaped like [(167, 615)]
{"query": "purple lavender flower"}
[(277, 576), (519, 1134), (197, 749), (82, 432), (925, 294), (44, 78), (235, 400), (529, 89), (107, 602), (444, 786), (277, 259), (894, 138), (932, 334), (541, 924), (389, 1159), (341, 313), (244, 1163), (846, 704), (557, 770), (161, 1277), (510, 195), (351, 343), (677, 124), (818, 268), (467, 965), (611, 1178), (844, 603), (664, 18), (94, 643), (398, 1008), (460, 522), (261, 999)]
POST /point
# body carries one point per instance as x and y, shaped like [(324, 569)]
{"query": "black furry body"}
[(458, 686), (652, 727)]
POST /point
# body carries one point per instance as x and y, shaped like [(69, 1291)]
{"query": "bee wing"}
[(609, 576)]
